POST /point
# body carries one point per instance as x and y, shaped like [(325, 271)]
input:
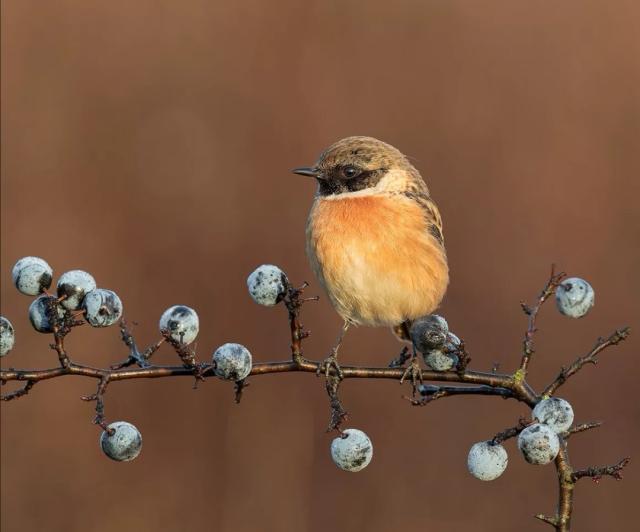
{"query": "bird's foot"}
[(414, 372), (330, 365), (401, 359)]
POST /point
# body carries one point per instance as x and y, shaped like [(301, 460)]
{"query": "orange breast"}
[(376, 259)]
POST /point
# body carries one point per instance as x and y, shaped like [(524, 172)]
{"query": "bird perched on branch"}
[(374, 238)]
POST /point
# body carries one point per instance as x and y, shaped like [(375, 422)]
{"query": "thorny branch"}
[(590, 358), (567, 478), (596, 473), (468, 382), (527, 346)]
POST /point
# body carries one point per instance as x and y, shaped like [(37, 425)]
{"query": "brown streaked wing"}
[(431, 213)]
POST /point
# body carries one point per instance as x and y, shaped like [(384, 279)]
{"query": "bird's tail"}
[(402, 331)]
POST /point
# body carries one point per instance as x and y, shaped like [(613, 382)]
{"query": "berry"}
[(102, 307), (453, 342), (73, 286), (352, 450), (438, 360), (124, 444), (7, 336), (232, 362), (575, 297), (487, 461), (40, 313), (554, 412), (539, 444), (182, 323), (429, 332), (267, 285), (32, 275)]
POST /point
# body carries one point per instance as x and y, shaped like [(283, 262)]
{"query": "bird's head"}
[(361, 165)]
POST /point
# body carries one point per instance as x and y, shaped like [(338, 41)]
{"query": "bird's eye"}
[(350, 172)]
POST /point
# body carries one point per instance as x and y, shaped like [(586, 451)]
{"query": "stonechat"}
[(374, 237)]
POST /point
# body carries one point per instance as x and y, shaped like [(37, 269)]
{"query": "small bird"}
[(374, 238)]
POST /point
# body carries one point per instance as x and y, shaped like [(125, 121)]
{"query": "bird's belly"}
[(376, 259)]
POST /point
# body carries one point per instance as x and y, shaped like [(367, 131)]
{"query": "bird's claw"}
[(329, 363), (414, 371)]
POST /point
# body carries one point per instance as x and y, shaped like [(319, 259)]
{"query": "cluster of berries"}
[(538, 442), (76, 292), (439, 347), (78, 295)]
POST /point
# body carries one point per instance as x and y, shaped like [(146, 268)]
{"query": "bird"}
[(374, 239)]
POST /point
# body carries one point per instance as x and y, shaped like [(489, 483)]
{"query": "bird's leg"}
[(332, 360), (414, 371)]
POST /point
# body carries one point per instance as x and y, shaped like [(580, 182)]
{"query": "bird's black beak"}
[(311, 172)]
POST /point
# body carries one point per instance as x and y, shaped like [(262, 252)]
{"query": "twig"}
[(98, 397), (16, 394), (338, 413), (545, 518), (512, 432), (62, 326), (430, 392), (135, 356), (567, 479), (527, 346), (596, 473), (185, 352), (239, 389), (463, 358), (590, 358), (293, 303), (581, 428)]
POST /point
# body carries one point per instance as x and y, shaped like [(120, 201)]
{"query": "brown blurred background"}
[(150, 143)]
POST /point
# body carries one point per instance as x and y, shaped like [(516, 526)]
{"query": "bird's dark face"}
[(352, 164)]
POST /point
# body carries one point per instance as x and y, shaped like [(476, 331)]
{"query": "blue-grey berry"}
[(182, 322), (267, 285), (554, 412), (429, 332), (32, 275), (539, 444), (232, 362), (124, 444), (352, 451), (102, 307), (453, 343), (487, 461), (575, 297), (40, 313), (438, 360), (7, 336), (73, 286)]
